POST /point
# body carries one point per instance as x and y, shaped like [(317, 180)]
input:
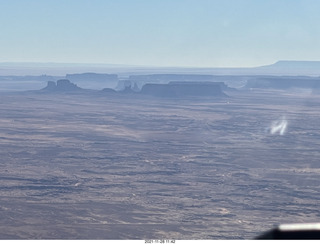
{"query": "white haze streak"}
[(279, 126)]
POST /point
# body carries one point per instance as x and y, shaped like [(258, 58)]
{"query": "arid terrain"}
[(117, 166)]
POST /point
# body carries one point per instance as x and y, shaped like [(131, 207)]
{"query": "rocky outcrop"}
[(63, 85)]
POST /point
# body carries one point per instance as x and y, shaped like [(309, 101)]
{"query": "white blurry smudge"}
[(279, 126)]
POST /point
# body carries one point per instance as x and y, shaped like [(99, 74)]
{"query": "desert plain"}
[(128, 166)]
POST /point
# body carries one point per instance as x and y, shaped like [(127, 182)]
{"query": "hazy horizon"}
[(164, 33)]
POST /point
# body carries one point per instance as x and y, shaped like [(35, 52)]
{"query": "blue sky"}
[(198, 33)]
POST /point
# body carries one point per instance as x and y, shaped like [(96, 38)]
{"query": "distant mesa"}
[(175, 89), (62, 85), (289, 68), (185, 89), (140, 80), (295, 64), (283, 82)]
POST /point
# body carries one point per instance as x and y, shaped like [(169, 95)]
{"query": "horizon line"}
[(132, 65)]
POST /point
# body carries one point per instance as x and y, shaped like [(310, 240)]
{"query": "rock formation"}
[(63, 85)]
